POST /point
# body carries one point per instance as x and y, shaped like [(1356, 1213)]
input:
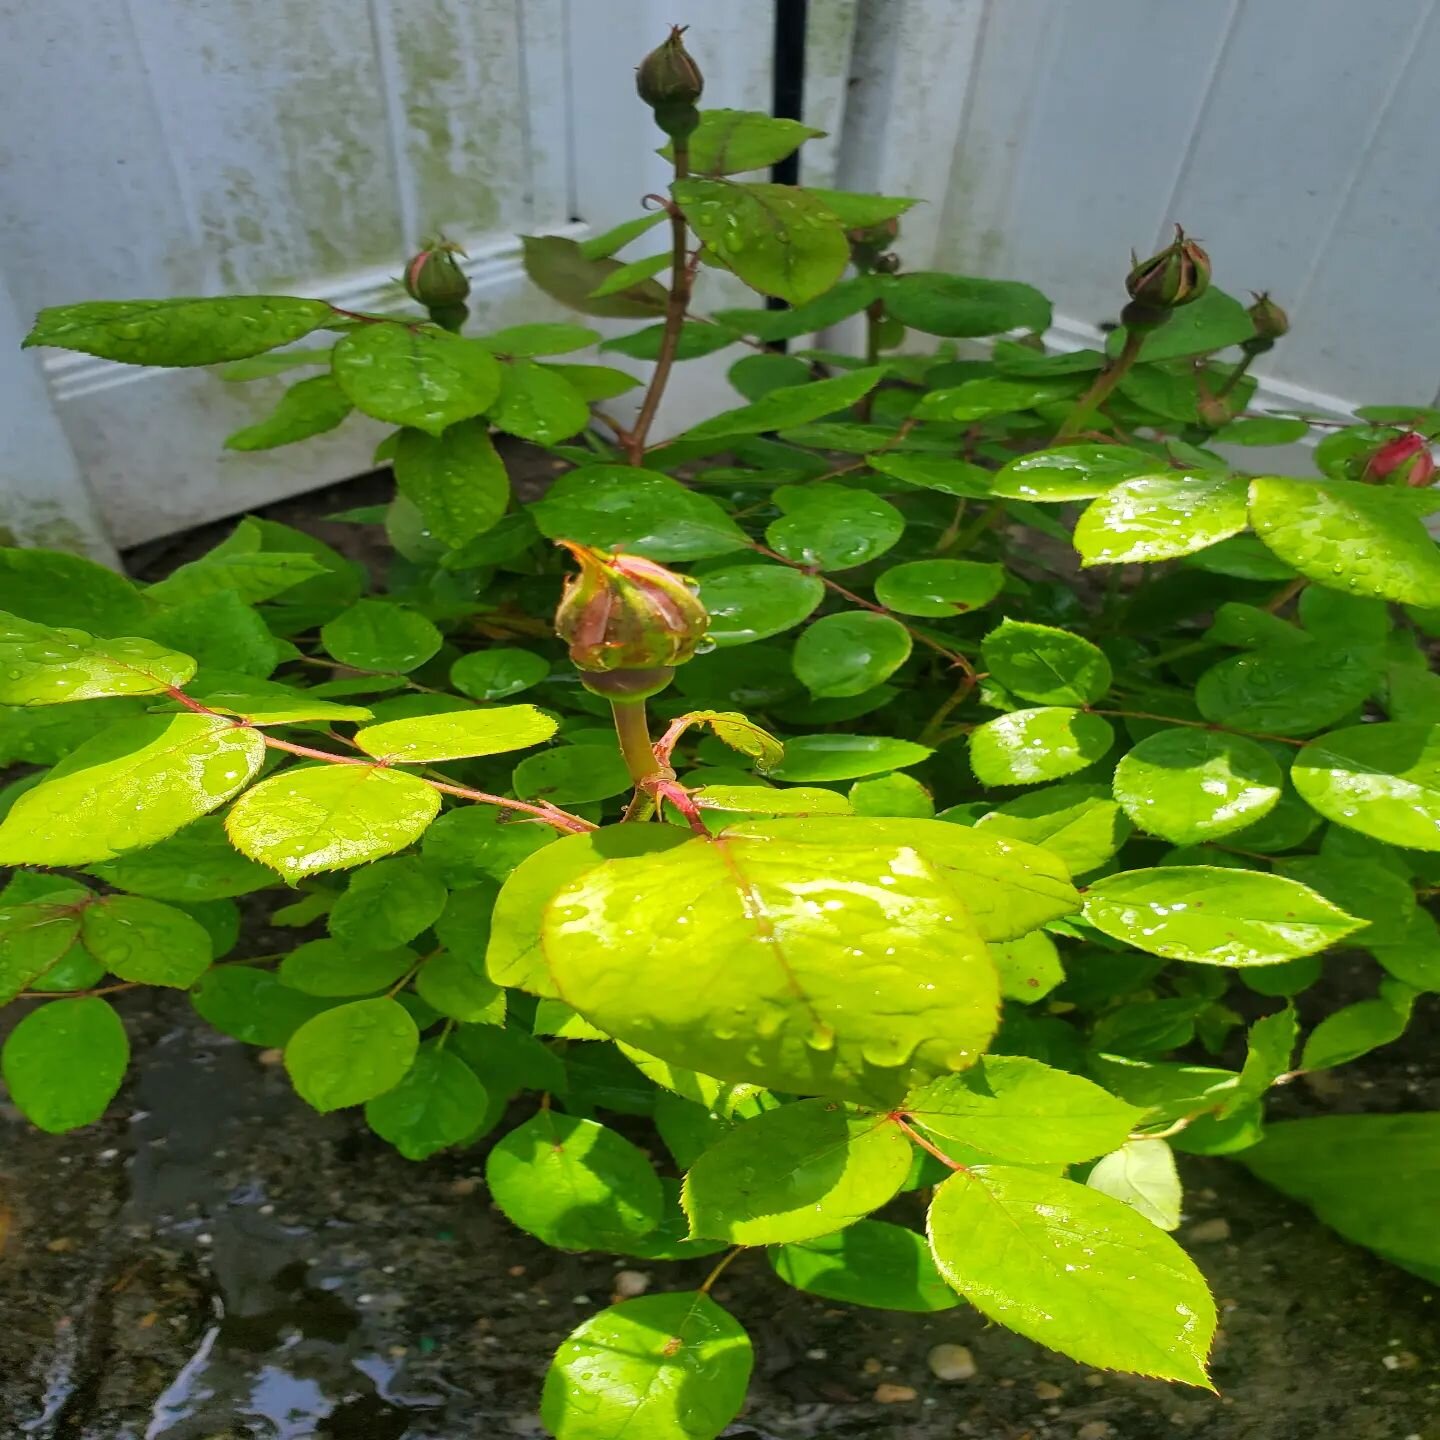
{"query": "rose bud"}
[(669, 82), (1179, 274), (1405, 460), (435, 279)]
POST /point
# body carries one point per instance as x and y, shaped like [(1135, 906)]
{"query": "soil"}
[(214, 1261)]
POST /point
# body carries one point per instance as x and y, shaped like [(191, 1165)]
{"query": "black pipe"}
[(787, 94)]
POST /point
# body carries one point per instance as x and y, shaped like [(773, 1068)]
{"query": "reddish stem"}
[(927, 1145)]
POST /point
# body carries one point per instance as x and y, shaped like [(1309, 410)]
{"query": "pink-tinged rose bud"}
[(1405, 460), (1178, 275), (625, 613), (434, 276)]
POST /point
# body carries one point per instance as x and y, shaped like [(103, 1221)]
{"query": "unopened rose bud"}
[(434, 276), (1178, 275), (1212, 411), (435, 279), (623, 614), (1405, 460), (669, 82), (1270, 323)]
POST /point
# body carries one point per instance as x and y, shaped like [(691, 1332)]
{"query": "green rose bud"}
[(435, 279), (669, 81), (1179, 274), (1270, 323)]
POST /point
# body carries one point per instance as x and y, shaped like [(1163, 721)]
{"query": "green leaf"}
[(439, 1103), (197, 864), (253, 1005), (765, 921), (1074, 1270), (1360, 539), (1018, 1110), (1382, 780), (860, 212), (992, 395), (1263, 430), (790, 405), (1290, 689), (892, 795), (1048, 666), (457, 987), (330, 817), (963, 305), (574, 1183), (497, 674), (44, 666), (1354, 1030), (456, 736), (1215, 916), (145, 941), (179, 332), (728, 142), (53, 588), (468, 845), (753, 602), (249, 577), (310, 408), (351, 1053), (561, 268), (1142, 1175), (697, 338), (387, 904), (538, 404), (674, 1366), (936, 472), (1371, 1177), (1269, 1049), (593, 383), (762, 800), (329, 968), (1029, 967), (832, 527), (572, 775), (868, 1263), (456, 480), (520, 342), (1028, 747), (34, 937), (850, 653), (615, 506), (1212, 322), (134, 784), (939, 587), (823, 758), (262, 703), (416, 375), (1192, 785), (1079, 823), (741, 733), (1158, 517), (64, 1062), (378, 635), (778, 239), (1070, 472), (803, 1170), (514, 956), (838, 303), (228, 639)]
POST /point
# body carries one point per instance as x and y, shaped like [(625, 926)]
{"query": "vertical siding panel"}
[(280, 132), (1109, 131), (912, 71), (81, 127), (1291, 114), (1370, 317), (829, 46)]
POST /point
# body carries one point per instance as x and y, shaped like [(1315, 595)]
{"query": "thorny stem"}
[(676, 303), (679, 797), (633, 731), (928, 1146), (719, 1269), (1105, 382), (550, 814)]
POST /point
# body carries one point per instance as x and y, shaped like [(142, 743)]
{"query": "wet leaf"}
[(64, 1062), (416, 375), (850, 653), (457, 481), (1045, 665), (1028, 747), (439, 1103), (351, 1053), (309, 408), (1142, 1175), (868, 1263), (1158, 517), (939, 587), (456, 736), (145, 941), (40, 665), (378, 635)]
